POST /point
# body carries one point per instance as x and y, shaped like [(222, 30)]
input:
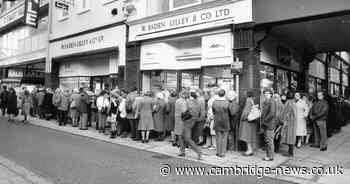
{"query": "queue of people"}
[(191, 118)]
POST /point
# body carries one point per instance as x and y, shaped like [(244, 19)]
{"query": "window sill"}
[(83, 11), (106, 2), (63, 19)]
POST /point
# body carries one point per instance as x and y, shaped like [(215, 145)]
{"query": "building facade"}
[(87, 45), (23, 42), (187, 44)]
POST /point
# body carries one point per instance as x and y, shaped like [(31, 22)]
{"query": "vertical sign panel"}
[(31, 12)]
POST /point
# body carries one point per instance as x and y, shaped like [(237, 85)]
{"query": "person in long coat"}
[(169, 123), (301, 116), (288, 120), (158, 115), (248, 130), (221, 113), (180, 107), (12, 109), (193, 106), (73, 106), (146, 123), (234, 120), (26, 105)]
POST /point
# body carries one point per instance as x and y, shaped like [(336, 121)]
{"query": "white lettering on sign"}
[(82, 43), (200, 17)]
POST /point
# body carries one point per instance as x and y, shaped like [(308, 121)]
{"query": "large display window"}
[(220, 77), (190, 79), (282, 80), (164, 80)]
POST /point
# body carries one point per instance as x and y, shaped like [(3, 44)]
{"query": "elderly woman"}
[(170, 116), (301, 117), (158, 115), (73, 105), (210, 143), (26, 105), (288, 120), (180, 107), (248, 129), (146, 123)]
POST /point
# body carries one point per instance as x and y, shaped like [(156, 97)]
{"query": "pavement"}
[(65, 158), (337, 154)]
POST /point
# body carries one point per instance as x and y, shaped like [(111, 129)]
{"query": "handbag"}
[(187, 114), (254, 113)]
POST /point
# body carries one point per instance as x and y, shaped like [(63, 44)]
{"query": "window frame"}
[(62, 17), (81, 9), (171, 5)]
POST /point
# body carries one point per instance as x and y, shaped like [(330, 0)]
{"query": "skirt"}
[(248, 132), (74, 113), (178, 126)]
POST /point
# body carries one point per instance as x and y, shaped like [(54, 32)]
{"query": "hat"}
[(268, 91), (231, 95)]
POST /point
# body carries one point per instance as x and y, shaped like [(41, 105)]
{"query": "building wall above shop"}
[(84, 15), (268, 11)]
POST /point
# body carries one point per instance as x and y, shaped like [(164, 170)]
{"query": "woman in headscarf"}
[(146, 123), (248, 129), (158, 115), (180, 107), (288, 120)]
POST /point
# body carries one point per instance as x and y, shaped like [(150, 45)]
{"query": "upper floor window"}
[(63, 14), (177, 4), (83, 5)]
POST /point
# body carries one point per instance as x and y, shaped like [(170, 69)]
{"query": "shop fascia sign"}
[(191, 19), (27, 12)]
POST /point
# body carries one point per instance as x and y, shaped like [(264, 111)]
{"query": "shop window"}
[(163, 80), (190, 79), (157, 6), (282, 80), (267, 76), (177, 4), (294, 81), (335, 89), (218, 77), (63, 14), (83, 6), (312, 85)]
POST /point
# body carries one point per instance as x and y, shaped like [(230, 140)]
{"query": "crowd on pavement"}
[(211, 119)]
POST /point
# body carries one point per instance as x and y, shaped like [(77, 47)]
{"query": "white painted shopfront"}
[(179, 50), (90, 59)]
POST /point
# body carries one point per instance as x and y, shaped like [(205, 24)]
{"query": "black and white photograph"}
[(174, 91)]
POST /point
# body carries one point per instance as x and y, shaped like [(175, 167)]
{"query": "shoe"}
[(314, 146), (212, 148), (323, 149), (143, 141), (248, 154), (181, 155), (267, 159), (199, 156)]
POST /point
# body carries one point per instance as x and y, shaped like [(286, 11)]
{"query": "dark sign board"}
[(31, 12), (62, 5)]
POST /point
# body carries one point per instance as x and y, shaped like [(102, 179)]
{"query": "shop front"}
[(279, 67), (190, 50), (90, 60)]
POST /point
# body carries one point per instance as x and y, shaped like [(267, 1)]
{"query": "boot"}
[(291, 150), (113, 134)]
